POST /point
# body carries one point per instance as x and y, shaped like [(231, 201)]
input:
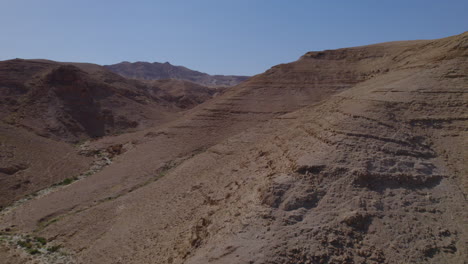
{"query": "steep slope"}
[(158, 71), (29, 163), (351, 155), (374, 175), (72, 102), (75, 101)]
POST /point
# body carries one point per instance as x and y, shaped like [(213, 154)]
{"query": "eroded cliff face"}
[(347, 156), (356, 179)]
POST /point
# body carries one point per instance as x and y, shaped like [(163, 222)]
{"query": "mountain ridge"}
[(156, 71)]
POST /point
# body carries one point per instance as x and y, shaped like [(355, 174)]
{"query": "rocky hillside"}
[(44, 104), (184, 94), (158, 71), (345, 156), (75, 101)]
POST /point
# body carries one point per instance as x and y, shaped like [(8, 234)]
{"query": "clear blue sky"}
[(214, 36)]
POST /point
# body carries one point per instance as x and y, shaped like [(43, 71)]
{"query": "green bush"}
[(41, 240), (53, 249), (33, 251), (66, 181), (25, 244)]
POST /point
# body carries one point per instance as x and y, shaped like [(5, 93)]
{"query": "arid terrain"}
[(47, 104), (354, 155)]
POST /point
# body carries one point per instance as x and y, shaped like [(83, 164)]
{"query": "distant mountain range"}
[(157, 71)]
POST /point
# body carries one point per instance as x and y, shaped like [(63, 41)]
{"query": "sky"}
[(242, 37)]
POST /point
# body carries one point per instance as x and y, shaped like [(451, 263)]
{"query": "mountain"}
[(158, 71), (45, 104), (353, 155), (68, 102), (75, 101)]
